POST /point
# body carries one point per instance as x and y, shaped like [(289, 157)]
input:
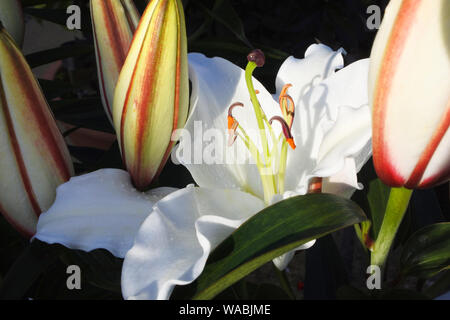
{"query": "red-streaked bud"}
[(409, 84), (11, 16), (152, 94), (114, 23), (34, 157)]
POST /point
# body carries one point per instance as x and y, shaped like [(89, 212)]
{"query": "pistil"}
[(272, 163)]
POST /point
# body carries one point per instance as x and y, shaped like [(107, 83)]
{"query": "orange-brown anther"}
[(232, 123), (291, 143), (232, 130), (315, 185), (287, 105), (286, 130)]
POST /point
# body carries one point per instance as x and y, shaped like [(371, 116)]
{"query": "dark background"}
[(229, 29)]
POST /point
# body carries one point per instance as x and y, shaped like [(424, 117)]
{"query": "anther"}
[(231, 119), (232, 123), (286, 130), (289, 110), (291, 104), (257, 56), (315, 185), (232, 131)]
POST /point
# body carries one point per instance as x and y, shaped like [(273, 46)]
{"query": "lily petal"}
[(410, 94), (172, 245), (282, 261), (216, 84), (344, 182), (11, 16), (100, 209), (113, 24), (34, 157), (318, 64), (331, 124)]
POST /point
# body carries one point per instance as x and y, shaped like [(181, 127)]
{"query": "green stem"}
[(395, 211), (284, 283)]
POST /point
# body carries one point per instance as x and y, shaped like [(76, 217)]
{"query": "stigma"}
[(272, 158)]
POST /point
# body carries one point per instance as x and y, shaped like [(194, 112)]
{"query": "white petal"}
[(100, 209), (349, 137), (344, 182), (217, 84), (306, 75), (332, 123), (319, 63), (174, 242), (282, 261)]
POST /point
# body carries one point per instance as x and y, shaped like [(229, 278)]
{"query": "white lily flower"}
[(175, 233), (332, 132)]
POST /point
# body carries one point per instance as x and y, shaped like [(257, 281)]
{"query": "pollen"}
[(233, 124), (287, 105), (286, 130)]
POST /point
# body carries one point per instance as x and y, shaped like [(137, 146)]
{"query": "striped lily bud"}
[(34, 158), (152, 94), (11, 16), (114, 23), (409, 85)]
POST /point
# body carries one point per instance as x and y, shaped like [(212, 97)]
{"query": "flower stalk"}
[(395, 211)]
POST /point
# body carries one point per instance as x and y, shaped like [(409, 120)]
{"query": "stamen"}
[(288, 109), (315, 185), (232, 123), (232, 131), (285, 89), (230, 113), (286, 130)]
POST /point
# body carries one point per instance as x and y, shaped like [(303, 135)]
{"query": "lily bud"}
[(34, 158), (409, 85), (152, 94), (11, 16), (113, 23)]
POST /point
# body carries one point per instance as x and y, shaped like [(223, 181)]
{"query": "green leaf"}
[(275, 230), (427, 252), (35, 259), (373, 198), (214, 47), (246, 290), (58, 16), (228, 18), (43, 57), (440, 285)]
